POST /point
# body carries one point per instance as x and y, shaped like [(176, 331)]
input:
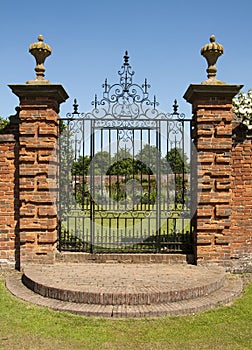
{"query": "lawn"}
[(125, 230), (25, 326)]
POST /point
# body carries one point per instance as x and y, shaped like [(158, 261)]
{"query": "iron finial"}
[(212, 52), (95, 102), (75, 106), (175, 107), (126, 58), (40, 51), (145, 86), (105, 86), (155, 103)]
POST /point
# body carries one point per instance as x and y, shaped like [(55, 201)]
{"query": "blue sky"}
[(89, 39)]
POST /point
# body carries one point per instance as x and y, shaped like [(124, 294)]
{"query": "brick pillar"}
[(37, 169), (212, 136)]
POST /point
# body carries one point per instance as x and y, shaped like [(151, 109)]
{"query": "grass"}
[(25, 326)]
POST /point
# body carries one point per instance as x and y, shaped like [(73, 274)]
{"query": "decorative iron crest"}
[(126, 100)]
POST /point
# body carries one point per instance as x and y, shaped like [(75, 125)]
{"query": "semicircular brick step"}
[(122, 284), (126, 290)]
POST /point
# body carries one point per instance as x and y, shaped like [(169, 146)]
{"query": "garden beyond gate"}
[(125, 180)]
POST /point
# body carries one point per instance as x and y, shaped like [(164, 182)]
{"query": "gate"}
[(124, 174)]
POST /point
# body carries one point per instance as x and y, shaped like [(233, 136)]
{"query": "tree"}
[(101, 162), (178, 161), (179, 165), (121, 154), (66, 157), (122, 164), (122, 167), (149, 158), (81, 166)]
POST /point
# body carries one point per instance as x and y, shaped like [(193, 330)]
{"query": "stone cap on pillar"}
[(196, 91), (43, 94)]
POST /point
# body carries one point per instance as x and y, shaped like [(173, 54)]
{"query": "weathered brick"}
[(223, 210), (28, 209), (47, 237), (47, 211), (223, 184), (223, 130), (223, 158), (48, 129)]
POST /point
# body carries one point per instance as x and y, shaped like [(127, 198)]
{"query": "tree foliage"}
[(3, 123), (81, 166), (122, 163), (147, 161), (150, 158), (101, 162), (66, 162), (178, 161)]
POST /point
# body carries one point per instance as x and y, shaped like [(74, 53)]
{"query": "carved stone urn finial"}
[(40, 51), (212, 52)]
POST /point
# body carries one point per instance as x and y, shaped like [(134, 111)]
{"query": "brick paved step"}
[(122, 284), (232, 288), (75, 257)]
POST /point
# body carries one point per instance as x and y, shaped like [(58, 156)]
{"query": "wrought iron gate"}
[(124, 174)]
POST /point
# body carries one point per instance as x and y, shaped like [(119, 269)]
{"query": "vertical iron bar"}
[(74, 176), (83, 183), (192, 178), (117, 173), (83, 165), (168, 168), (69, 190), (101, 189), (69, 183), (110, 233), (183, 167), (141, 167), (149, 170), (92, 184), (158, 185), (109, 182), (59, 226), (133, 175), (109, 175)]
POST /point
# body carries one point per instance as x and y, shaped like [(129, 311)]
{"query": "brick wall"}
[(241, 217), (9, 242)]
